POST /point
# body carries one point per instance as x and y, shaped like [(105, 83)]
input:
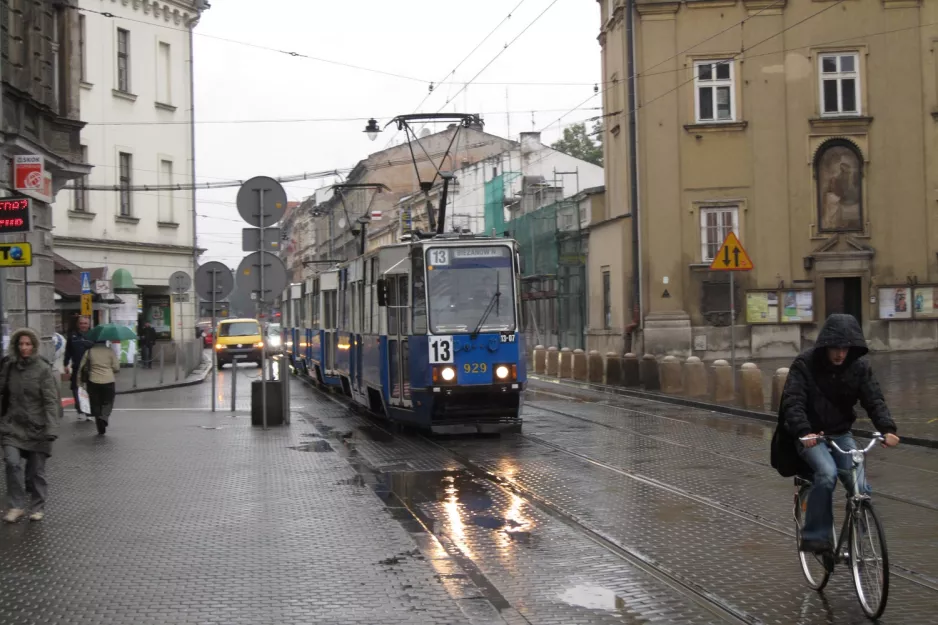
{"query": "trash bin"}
[(274, 403)]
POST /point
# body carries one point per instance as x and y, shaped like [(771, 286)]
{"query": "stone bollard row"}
[(580, 365), (669, 372), (540, 359), (631, 371), (751, 395), (695, 378), (566, 363), (596, 367), (553, 361), (721, 387), (614, 369), (778, 386), (649, 374)]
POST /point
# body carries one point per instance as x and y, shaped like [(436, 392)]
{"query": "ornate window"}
[(838, 172)]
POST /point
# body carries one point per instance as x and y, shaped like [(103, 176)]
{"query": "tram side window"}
[(404, 285), (419, 294), (392, 307), (361, 305)]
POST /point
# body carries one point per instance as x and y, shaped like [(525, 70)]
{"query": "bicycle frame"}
[(853, 502)]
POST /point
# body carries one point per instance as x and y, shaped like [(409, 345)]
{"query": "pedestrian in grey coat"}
[(29, 414)]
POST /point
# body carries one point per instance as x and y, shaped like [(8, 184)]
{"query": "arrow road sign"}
[(731, 256)]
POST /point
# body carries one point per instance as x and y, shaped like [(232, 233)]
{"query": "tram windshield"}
[(470, 289)]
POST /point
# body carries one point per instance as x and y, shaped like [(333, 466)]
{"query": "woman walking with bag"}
[(98, 366), (30, 412)]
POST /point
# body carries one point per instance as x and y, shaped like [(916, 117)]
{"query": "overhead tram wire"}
[(458, 65)]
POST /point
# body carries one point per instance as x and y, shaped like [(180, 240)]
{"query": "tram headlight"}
[(501, 372), (506, 373), (444, 374)]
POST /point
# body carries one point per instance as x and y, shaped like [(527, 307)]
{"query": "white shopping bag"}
[(84, 403)]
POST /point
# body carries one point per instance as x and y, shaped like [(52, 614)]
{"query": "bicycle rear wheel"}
[(869, 560), (812, 565)]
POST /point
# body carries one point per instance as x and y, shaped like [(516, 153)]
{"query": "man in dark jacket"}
[(824, 384), (75, 348), (147, 341)]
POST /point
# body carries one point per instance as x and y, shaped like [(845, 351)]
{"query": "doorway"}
[(843, 295)]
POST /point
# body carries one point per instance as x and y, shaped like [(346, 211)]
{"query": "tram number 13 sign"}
[(441, 349)]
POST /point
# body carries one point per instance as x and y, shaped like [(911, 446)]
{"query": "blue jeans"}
[(827, 463)]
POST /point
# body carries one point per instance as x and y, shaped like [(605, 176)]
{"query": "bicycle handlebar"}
[(877, 438)]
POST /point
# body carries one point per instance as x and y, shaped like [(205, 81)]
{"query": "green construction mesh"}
[(494, 205)]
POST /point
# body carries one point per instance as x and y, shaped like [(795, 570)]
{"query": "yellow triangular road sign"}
[(732, 256)]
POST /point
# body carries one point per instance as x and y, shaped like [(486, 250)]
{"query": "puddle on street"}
[(316, 446), (593, 597)]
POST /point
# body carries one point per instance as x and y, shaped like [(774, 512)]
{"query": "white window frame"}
[(123, 79), (164, 73), (714, 83), (704, 241), (839, 76)]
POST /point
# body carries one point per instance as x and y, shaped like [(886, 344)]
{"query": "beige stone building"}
[(807, 127)]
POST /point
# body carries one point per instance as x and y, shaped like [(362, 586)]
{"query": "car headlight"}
[(220, 347), (259, 344), (289, 343), (275, 341), (501, 372)]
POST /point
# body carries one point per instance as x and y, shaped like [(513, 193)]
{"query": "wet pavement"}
[(604, 510)]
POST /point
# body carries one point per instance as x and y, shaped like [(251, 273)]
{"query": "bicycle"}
[(863, 531)]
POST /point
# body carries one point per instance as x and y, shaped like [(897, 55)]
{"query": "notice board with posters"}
[(925, 302), (158, 310), (895, 302)]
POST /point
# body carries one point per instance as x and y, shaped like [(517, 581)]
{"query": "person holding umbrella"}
[(98, 368)]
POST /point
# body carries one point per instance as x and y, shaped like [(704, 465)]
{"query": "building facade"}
[(137, 97), (807, 128), (39, 115)]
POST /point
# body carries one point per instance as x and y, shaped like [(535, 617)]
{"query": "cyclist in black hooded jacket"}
[(824, 384)]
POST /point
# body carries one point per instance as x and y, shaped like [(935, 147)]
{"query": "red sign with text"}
[(28, 172)]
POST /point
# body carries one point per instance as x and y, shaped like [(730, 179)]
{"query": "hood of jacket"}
[(15, 338), (842, 331)]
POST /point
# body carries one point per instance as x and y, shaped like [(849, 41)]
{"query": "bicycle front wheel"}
[(812, 565), (869, 560)]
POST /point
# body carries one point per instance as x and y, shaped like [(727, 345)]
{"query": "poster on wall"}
[(894, 303), (158, 311), (925, 302), (125, 314), (797, 306), (761, 307)]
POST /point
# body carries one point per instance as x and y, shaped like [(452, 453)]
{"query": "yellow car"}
[(238, 340)]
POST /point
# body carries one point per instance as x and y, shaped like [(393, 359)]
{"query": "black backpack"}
[(784, 454)]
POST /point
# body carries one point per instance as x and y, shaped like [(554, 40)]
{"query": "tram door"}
[(328, 326), (398, 314)]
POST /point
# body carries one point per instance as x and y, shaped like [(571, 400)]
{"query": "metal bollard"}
[(162, 362), (234, 386)]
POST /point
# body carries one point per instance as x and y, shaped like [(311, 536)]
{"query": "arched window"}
[(838, 172)]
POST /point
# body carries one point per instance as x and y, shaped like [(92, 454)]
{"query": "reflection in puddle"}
[(317, 446), (593, 597)]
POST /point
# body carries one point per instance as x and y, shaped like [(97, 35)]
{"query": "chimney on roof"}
[(530, 142)]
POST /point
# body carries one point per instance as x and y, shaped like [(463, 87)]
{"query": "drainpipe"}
[(195, 219), (637, 312)]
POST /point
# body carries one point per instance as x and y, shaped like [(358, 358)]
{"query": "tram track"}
[(906, 573), (656, 570)]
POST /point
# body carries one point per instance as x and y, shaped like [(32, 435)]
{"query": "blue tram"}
[(425, 333)]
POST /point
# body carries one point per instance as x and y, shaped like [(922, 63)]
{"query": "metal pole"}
[(25, 297), (135, 372), (733, 326), (234, 385), (262, 299), (162, 346), (631, 86), (214, 338)]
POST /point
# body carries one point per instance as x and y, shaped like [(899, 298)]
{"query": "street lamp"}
[(371, 129)]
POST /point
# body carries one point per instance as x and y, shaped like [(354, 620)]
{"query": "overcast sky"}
[(417, 39)]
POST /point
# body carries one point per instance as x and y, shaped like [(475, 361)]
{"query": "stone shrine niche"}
[(838, 174)]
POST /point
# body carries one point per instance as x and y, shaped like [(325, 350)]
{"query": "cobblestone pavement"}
[(179, 515), (604, 510)]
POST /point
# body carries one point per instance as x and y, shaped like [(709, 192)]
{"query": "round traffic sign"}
[(180, 282), (214, 275), (275, 276), (259, 197)]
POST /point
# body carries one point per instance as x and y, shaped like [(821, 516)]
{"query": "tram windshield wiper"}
[(488, 309)]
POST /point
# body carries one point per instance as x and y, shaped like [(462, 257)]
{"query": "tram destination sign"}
[(15, 215)]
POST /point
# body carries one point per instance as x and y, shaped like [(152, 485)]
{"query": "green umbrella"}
[(111, 332)]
